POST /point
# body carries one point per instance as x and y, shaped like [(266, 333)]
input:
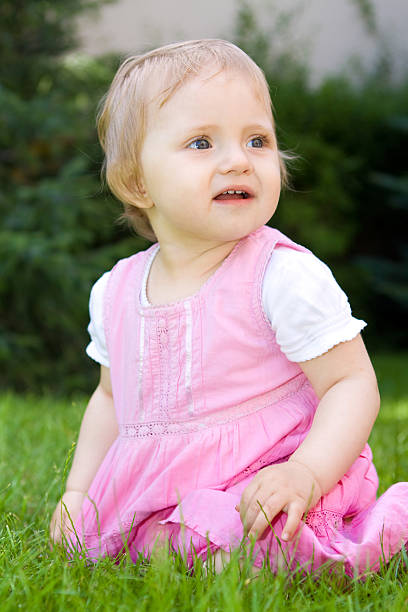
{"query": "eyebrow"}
[(201, 129), (255, 127)]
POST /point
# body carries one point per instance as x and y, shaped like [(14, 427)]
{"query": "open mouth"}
[(234, 194)]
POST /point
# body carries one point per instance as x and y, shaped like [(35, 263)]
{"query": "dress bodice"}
[(201, 359)]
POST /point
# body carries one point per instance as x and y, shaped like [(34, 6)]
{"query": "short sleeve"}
[(305, 306), (97, 349)]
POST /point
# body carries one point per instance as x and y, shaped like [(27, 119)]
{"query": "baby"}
[(236, 396)]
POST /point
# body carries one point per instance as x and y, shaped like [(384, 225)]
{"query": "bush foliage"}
[(348, 202), (58, 232)]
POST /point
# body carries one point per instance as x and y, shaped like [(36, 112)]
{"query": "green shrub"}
[(58, 233)]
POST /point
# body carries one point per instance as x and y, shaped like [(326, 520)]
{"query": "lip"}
[(242, 201)]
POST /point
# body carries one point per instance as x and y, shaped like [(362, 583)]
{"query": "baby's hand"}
[(65, 515), (290, 487)]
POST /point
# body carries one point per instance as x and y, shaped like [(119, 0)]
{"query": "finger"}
[(267, 512), (295, 513), (54, 536), (248, 494), (251, 511), (248, 505)]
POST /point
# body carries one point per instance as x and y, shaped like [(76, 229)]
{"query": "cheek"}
[(272, 174), (158, 180)]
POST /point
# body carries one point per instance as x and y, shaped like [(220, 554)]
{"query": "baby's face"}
[(214, 136)]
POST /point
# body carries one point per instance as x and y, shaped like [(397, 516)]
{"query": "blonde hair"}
[(123, 111)]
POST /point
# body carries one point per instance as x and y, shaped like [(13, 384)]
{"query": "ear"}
[(143, 200)]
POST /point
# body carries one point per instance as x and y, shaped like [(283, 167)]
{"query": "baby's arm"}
[(345, 382), (98, 431)]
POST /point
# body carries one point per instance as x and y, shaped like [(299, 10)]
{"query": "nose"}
[(234, 160)]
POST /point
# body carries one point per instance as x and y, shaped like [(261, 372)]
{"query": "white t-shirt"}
[(305, 306)]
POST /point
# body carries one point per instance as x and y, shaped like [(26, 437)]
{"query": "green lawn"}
[(35, 437)]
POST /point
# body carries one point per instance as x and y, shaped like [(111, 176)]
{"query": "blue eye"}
[(257, 142), (199, 143)]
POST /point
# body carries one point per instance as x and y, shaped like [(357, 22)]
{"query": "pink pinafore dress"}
[(205, 398)]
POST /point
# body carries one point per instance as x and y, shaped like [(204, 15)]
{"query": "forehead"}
[(207, 92)]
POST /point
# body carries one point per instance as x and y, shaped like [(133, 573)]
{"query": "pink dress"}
[(205, 398)]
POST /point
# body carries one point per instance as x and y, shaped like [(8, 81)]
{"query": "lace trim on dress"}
[(324, 522), (264, 461), (194, 424)]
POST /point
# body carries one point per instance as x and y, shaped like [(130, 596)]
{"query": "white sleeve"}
[(307, 309), (96, 349)]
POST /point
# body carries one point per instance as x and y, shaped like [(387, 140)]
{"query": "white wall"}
[(329, 31)]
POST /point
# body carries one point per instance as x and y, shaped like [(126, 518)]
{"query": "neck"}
[(178, 261), (178, 272)]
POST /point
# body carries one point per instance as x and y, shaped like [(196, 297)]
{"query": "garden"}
[(347, 202)]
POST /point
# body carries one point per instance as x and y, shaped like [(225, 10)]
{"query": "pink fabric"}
[(204, 399)]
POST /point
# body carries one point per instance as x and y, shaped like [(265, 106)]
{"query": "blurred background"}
[(338, 74)]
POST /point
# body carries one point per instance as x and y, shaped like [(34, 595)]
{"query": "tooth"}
[(230, 191)]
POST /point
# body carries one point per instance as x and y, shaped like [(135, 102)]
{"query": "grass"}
[(35, 438)]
